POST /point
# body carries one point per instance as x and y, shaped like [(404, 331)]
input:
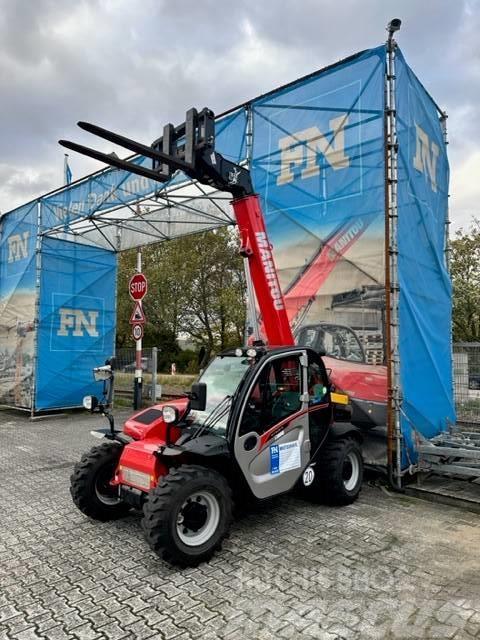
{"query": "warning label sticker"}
[(284, 457)]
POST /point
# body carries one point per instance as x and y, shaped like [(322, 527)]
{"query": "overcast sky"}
[(132, 66)]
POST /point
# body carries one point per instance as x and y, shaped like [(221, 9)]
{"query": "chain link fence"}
[(165, 384), (466, 376), (125, 371)]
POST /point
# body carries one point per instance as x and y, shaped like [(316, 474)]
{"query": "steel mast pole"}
[(137, 391), (395, 439), (443, 125)]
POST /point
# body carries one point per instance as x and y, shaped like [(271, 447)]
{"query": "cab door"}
[(272, 443)]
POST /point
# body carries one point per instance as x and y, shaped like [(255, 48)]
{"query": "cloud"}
[(465, 189), (19, 185), (133, 66)]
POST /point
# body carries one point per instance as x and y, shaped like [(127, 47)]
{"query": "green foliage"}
[(465, 271), (195, 289)]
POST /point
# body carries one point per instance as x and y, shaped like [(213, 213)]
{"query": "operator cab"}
[(270, 408), (268, 385)]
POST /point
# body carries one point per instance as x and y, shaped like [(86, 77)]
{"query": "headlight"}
[(137, 478), (251, 353), (90, 403), (170, 414), (239, 353)]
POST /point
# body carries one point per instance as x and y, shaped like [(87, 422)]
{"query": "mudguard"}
[(106, 433), (340, 430)]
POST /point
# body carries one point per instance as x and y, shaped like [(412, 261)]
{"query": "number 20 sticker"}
[(308, 476)]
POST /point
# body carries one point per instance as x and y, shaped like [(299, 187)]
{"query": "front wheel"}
[(188, 514), (338, 472), (90, 483)]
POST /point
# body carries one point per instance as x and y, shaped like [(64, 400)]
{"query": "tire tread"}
[(157, 511), (81, 479)]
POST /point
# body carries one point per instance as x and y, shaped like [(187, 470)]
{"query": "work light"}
[(170, 414), (90, 403)]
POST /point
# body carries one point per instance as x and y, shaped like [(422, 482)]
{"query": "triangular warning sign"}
[(137, 317)]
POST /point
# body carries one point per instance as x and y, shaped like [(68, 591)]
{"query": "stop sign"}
[(137, 287)]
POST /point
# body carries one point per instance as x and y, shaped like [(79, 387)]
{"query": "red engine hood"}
[(358, 380), (149, 423)]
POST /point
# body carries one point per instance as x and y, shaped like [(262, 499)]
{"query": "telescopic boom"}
[(190, 147)]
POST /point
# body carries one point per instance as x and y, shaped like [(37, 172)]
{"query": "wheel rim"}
[(198, 518), (103, 489), (351, 471)]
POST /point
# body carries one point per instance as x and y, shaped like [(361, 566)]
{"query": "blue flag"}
[(67, 171)]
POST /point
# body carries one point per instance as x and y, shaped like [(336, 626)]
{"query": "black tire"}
[(202, 499), (89, 483), (338, 472)]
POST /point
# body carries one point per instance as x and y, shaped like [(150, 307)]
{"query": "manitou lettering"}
[(302, 149), (426, 155), (269, 268), (75, 322), (347, 237), (18, 246)]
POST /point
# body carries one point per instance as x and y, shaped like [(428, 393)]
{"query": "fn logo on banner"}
[(77, 323)]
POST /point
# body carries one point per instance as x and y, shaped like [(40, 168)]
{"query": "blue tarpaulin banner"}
[(76, 329), (425, 288), (318, 165), (18, 236)]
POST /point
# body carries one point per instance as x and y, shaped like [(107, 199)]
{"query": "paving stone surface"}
[(386, 567)]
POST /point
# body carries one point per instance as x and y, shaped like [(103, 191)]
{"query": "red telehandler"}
[(260, 421)]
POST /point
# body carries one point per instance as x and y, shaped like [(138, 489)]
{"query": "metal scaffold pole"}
[(447, 249), (38, 271), (443, 124), (392, 285)]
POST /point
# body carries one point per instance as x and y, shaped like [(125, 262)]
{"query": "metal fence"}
[(466, 376), (125, 371)]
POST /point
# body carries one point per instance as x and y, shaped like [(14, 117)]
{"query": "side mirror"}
[(90, 403), (198, 396)]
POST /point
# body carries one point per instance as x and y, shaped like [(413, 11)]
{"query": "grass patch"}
[(125, 380)]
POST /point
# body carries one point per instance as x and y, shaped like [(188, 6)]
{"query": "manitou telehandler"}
[(260, 421)]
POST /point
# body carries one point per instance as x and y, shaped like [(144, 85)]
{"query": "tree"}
[(213, 281), (195, 287), (465, 272)]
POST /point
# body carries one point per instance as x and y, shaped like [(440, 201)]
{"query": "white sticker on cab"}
[(284, 457)]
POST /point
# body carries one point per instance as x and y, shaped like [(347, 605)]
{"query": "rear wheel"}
[(188, 514), (90, 483), (338, 472)]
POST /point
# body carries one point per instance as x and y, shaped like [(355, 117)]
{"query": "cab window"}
[(275, 395), (317, 385)]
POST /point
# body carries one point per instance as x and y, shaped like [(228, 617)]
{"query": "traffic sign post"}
[(137, 317), (137, 288), (137, 331)]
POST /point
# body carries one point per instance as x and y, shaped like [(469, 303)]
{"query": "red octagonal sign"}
[(137, 287)]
